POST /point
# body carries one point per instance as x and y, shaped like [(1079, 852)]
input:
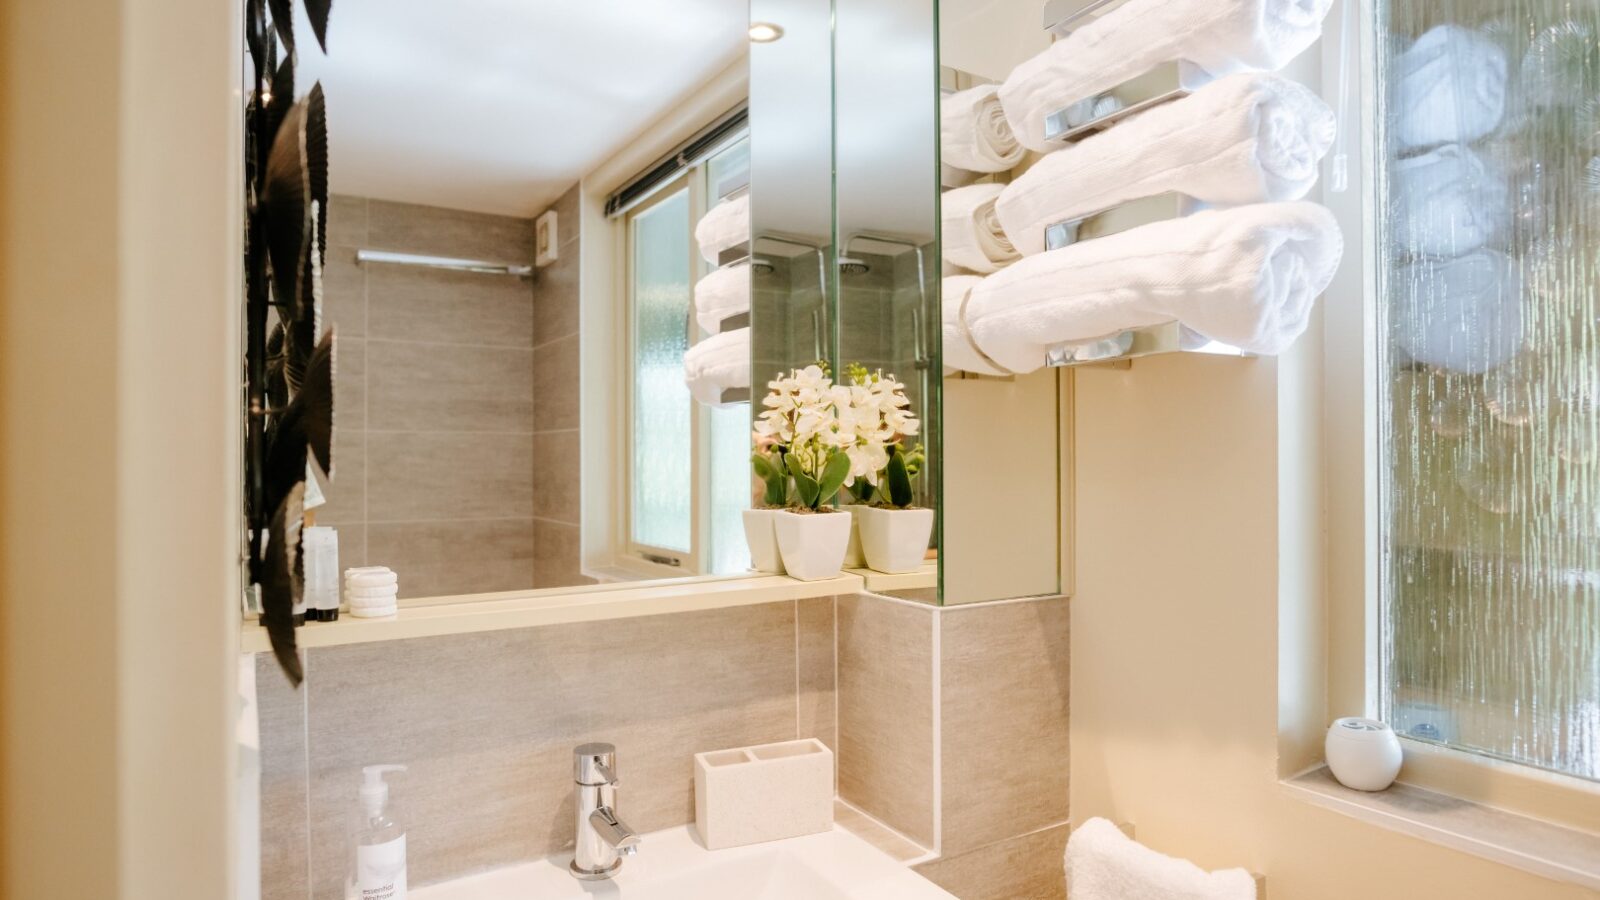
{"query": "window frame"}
[(1354, 481)]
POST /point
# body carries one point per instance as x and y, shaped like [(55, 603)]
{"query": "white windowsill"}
[(1552, 851)]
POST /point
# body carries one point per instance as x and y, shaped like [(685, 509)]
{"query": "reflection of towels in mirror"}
[(1450, 88), (1220, 37), (717, 364), (1246, 138), (725, 226), (1448, 202), (974, 134), (1464, 315), (1246, 276), (971, 235), (721, 295)]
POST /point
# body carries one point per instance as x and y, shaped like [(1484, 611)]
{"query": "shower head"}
[(763, 266), (849, 265)]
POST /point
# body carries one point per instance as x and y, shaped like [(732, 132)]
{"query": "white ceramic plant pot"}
[(763, 540), (853, 557), (895, 540), (812, 544)]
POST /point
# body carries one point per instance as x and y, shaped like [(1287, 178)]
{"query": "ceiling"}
[(500, 105)]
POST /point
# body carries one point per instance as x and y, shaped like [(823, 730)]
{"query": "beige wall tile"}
[(677, 685), (281, 710), (558, 557), (347, 221), (435, 231), (448, 387), (349, 385), (1004, 676), (814, 622), (555, 385), (465, 556), (556, 297), (352, 545), (347, 491), (411, 304), (344, 293), (1021, 868), (414, 476), (885, 698), (875, 833), (486, 724), (556, 470)]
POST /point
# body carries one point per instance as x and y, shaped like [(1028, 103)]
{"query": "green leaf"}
[(804, 485), (897, 480), (862, 490), (833, 476)]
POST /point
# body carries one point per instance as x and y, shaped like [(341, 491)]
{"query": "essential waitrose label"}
[(381, 871)]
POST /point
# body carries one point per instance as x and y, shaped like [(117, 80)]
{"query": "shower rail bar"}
[(443, 262)]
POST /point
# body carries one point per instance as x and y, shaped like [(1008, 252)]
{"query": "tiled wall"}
[(455, 456), (999, 717), (949, 725), (487, 722)]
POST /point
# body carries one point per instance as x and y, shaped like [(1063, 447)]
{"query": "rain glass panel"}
[(662, 431), (1488, 246)]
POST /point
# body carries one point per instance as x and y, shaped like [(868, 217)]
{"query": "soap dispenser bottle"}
[(377, 842)]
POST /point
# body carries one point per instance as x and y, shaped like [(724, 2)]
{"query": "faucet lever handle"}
[(594, 764)]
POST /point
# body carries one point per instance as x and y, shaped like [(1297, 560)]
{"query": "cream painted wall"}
[(119, 275)]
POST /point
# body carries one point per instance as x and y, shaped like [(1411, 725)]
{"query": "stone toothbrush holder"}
[(764, 793)]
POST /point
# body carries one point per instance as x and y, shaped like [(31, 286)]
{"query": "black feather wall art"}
[(289, 360)]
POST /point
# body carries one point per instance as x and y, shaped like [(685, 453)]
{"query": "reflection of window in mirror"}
[(687, 462)]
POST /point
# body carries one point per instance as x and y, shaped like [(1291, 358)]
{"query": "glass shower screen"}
[(1488, 239)]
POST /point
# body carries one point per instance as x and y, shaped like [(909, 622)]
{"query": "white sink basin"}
[(672, 865)]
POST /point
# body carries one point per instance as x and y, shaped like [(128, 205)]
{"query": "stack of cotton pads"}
[(371, 591)]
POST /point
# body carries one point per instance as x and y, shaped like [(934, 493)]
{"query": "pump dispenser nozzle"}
[(374, 790)]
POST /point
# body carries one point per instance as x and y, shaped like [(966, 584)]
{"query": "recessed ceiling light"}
[(764, 32)]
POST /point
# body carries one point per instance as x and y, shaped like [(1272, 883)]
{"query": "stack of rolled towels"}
[(371, 591), (721, 362), (1245, 143), (1456, 296)]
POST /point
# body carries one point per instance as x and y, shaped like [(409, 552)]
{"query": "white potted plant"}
[(801, 424), (759, 533), (894, 533)]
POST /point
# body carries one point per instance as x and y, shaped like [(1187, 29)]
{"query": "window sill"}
[(1551, 851)]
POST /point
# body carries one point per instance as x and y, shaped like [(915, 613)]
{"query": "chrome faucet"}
[(602, 838)]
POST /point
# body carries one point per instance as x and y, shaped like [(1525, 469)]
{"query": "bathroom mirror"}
[(511, 255)]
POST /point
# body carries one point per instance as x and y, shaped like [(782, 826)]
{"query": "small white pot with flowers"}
[(800, 446), (894, 533)]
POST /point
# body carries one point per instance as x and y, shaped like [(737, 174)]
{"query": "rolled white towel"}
[(970, 230), (1246, 138), (1450, 88), (1464, 315), (959, 354), (722, 294), (1246, 276), (973, 132), (1102, 863), (1447, 202), (726, 225), (1220, 37), (718, 363)]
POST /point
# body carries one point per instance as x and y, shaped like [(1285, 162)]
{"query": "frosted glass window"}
[(662, 415), (1488, 249), (730, 489)]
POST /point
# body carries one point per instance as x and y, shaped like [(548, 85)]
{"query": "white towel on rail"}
[(973, 132), (1220, 37), (718, 363), (1450, 88), (970, 231), (1448, 202), (720, 295), (959, 354), (726, 225), (1245, 276), (1102, 863), (1464, 315), (1247, 138)]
